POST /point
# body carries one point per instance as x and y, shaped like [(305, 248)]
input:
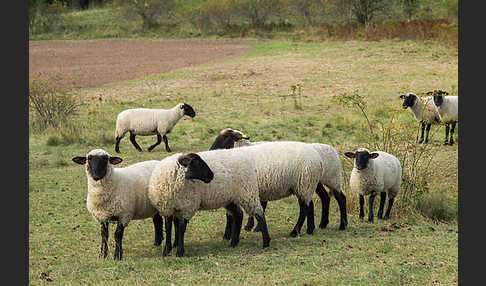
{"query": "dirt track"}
[(97, 62)]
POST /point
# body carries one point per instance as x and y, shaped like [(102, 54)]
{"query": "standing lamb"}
[(228, 180), (331, 176), (375, 173), (118, 194), (424, 111), (147, 121), (448, 109)]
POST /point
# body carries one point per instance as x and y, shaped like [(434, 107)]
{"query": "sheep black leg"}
[(104, 239), (300, 220), (310, 218), (258, 228), (158, 229), (388, 209), (237, 215), (168, 234), (341, 199), (265, 236), (382, 204), (250, 223), (370, 213), (422, 133), (361, 206), (227, 229), (427, 133), (166, 142), (159, 140), (446, 141), (132, 139), (118, 241), (176, 232), (451, 141), (181, 229), (325, 199), (117, 144)]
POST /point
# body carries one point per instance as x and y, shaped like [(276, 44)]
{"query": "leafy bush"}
[(436, 207), (45, 18), (51, 105)]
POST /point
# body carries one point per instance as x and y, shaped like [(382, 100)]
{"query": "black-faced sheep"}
[(448, 109), (118, 194), (424, 111), (375, 173), (148, 121)]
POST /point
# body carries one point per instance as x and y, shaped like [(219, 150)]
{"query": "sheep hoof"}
[(294, 233), (248, 227), (258, 228), (234, 243), (310, 231), (323, 224)]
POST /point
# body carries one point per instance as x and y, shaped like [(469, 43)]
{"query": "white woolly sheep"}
[(448, 109), (118, 194), (331, 176), (228, 180), (375, 173), (424, 111), (281, 154), (148, 121)]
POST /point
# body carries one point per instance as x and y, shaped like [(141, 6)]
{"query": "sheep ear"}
[(350, 154), (115, 160), (429, 92), (184, 160), (402, 96), (182, 106), (79, 160), (373, 155)]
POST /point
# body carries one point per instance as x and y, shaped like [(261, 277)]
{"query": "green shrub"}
[(50, 104)]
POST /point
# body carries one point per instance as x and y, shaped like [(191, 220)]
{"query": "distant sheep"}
[(448, 109), (147, 121), (375, 173), (118, 194), (228, 180), (424, 111)]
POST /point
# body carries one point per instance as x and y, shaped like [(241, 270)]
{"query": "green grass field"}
[(252, 93)]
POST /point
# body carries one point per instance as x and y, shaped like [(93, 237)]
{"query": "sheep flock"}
[(240, 176)]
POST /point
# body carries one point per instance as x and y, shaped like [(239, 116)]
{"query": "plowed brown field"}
[(97, 62)]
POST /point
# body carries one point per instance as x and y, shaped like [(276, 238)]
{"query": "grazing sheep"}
[(118, 194), (448, 109), (424, 111), (146, 122), (375, 173), (228, 180), (331, 176)]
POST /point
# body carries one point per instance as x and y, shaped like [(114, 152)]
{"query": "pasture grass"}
[(417, 246)]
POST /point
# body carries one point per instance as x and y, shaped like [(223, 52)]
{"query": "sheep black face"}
[(226, 139), (361, 158), (438, 99), (196, 168), (97, 164), (408, 100), (188, 110)]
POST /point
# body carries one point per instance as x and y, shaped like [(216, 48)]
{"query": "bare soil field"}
[(97, 62)]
